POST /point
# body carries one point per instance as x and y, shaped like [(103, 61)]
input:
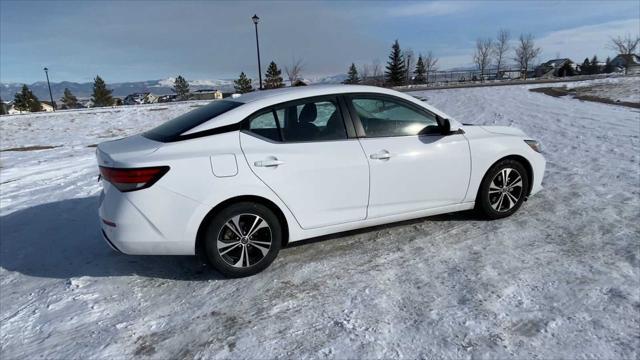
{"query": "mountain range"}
[(158, 87)]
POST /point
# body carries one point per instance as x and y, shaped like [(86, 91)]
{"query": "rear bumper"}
[(152, 221), (111, 245)]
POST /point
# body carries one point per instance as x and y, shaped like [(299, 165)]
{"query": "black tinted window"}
[(171, 130), (265, 126), (311, 121)]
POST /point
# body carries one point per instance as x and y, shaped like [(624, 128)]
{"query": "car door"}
[(301, 151), (412, 165)]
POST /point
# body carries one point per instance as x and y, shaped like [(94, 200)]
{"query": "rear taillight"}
[(133, 178)]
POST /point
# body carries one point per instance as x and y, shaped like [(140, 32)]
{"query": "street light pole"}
[(53, 105), (255, 19)]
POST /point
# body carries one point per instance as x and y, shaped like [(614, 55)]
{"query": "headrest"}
[(308, 113)]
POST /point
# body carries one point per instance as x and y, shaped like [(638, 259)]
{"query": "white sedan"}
[(237, 179)]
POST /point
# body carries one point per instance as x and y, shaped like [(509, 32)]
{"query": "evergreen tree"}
[(101, 95), (608, 68), (395, 70), (595, 69), (69, 101), (585, 68), (2, 107), (243, 84), (353, 77), (25, 100), (420, 71), (181, 88), (566, 70), (273, 79)]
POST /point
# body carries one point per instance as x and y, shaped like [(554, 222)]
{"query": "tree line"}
[(399, 70), (27, 101)]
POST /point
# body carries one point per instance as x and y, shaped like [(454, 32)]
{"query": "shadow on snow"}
[(61, 240)]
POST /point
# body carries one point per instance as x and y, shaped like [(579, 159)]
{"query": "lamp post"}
[(53, 105), (255, 19)]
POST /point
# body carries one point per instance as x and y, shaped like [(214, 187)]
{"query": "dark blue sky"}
[(128, 41)]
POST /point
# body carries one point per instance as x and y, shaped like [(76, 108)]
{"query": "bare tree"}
[(626, 45), (376, 72), (500, 48), (410, 60), (482, 56), (430, 63), (526, 52), (365, 73), (294, 70)]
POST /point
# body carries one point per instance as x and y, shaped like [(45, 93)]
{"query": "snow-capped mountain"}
[(84, 90), (122, 89)]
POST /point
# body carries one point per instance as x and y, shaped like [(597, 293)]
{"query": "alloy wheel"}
[(505, 190), (244, 240)]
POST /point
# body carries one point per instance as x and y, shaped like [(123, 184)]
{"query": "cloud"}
[(574, 43), (436, 8), (585, 41)]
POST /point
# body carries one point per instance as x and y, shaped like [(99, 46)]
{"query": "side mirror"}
[(444, 125)]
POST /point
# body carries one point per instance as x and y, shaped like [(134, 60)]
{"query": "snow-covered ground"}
[(69, 170), (617, 89), (559, 279)]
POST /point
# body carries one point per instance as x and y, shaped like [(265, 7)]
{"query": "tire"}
[(230, 247), (495, 200)]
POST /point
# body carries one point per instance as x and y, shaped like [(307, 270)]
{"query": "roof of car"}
[(292, 93)]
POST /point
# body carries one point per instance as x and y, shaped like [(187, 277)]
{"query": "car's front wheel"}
[(243, 239), (503, 189)]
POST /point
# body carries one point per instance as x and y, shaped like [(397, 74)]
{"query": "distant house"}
[(46, 106), (63, 106), (554, 68), (206, 94), (85, 103), (11, 109), (630, 63), (140, 98), (167, 98)]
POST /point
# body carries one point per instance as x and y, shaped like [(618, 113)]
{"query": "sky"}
[(150, 40)]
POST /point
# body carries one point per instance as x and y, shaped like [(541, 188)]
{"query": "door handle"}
[(268, 163), (382, 155)]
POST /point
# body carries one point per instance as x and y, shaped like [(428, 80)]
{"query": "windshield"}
[(172, 129)]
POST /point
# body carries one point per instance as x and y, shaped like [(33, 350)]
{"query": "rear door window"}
[(301, 121), (313, 120), (172, 129)]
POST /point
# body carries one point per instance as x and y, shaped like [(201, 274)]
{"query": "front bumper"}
[(538, 164)]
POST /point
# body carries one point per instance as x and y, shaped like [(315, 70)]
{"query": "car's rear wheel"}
[(503, 189), (243, 239)]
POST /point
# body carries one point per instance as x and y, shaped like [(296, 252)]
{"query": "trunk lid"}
[(127, 150)]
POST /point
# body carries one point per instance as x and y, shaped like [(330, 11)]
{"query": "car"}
[(239, 178)]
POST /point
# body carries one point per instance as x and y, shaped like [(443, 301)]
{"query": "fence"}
[(442, 78)]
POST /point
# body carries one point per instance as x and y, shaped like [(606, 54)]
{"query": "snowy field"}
[(559, 279), (616, 89)]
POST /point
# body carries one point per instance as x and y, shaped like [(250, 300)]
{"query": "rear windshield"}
[(171, 130)]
